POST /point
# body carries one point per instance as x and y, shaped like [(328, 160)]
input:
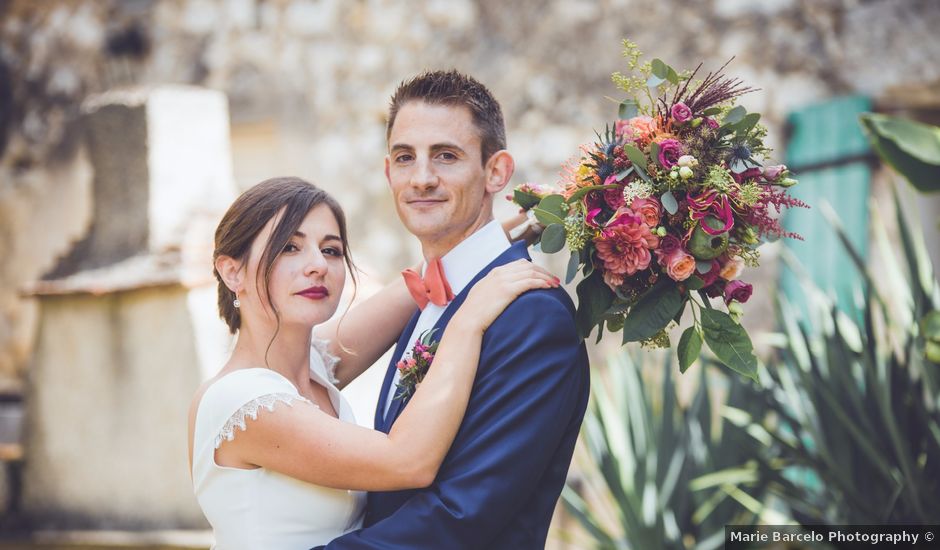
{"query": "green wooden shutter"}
[(829, 155)]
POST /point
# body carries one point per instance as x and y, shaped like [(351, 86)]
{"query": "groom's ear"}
[(231, 272), (499, 171)]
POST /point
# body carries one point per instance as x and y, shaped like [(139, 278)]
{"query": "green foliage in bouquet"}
[(851, 423), (663, 211), (644, 458)]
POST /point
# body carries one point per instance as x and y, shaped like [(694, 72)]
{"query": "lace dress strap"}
[(322, 361), (237, 396), (250, 410)]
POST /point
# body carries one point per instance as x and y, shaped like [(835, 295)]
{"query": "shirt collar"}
[(472, 254)]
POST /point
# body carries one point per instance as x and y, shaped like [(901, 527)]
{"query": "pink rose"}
[(668, 244), (614, 197), (679, 265), (648, 209), (712, 123), (731, 269), (669, 152), (681, 112), (773, 173), (739, 291)]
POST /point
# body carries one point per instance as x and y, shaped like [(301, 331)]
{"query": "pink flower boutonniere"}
[(414, 366)]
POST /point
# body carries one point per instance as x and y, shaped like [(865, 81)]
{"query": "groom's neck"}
[(439, 246)]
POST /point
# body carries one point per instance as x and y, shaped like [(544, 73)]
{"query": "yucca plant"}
[(640, 455), (850, 429)]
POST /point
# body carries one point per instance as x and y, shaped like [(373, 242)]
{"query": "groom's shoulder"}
[(550, 310)]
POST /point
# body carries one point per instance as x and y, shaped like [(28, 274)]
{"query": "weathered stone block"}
[(160, 157)]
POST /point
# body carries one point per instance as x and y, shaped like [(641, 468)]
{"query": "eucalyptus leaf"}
[(643, 175), (636, 156), (546, 218), (654, 81), (622, 175), (652, 312), (628, 109), (669, 202), (555, 204), (729, 342), (659, 68), (551, 209), (711, 111), (573, 262), (553, 238), (672, 76), (690, 348), (734, 115), (703, 266)]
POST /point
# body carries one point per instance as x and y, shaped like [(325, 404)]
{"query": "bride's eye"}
[(332, 251), (290, 247)]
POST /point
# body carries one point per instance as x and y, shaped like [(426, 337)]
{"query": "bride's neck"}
[(288, 354)]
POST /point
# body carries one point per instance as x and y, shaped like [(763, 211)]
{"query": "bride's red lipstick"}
[(315, 293)]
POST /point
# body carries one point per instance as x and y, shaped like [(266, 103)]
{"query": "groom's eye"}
[(403, 158), (447, 155)]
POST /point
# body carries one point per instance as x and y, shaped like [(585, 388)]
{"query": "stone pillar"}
[(128, 325)]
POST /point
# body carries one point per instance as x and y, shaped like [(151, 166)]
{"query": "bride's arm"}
[(371, 327), (305, 444), (360, 337)]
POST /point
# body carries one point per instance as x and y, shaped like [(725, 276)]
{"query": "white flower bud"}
[(685, 172)]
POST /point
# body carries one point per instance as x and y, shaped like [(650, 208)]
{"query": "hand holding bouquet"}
[(665, 210)]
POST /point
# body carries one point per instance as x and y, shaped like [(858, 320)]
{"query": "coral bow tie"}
[(432, 288)]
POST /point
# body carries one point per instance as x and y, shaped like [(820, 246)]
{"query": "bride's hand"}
[(490, 296), (522, 227)]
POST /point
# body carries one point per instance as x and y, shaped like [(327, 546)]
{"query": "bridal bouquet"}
[(665, 210)]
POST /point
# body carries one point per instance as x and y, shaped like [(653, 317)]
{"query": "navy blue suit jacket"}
[(499, 483)]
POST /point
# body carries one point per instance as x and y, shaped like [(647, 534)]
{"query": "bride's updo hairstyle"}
[(249, 214)]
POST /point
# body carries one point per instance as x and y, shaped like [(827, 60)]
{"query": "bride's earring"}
[(237, 303)]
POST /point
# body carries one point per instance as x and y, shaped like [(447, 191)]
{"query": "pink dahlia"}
[(625, 249)]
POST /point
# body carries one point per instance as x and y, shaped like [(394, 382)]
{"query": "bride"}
[(276, 458)]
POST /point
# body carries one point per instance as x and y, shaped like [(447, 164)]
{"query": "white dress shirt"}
[(461, 265)]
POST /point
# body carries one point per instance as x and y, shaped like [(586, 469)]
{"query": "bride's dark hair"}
[(249, 214)]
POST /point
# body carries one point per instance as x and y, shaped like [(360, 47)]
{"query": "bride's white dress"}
[(258, 508)]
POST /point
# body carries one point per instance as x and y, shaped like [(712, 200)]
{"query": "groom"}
[(499, 483)]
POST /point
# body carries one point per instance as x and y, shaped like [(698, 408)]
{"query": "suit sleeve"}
[(531, 383)]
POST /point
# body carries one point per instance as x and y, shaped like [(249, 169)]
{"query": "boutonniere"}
[(415, 365)]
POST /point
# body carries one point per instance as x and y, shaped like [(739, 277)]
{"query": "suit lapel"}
[(515, 252), (380, 416)]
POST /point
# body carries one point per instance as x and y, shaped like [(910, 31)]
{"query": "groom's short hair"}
[(453, 88)]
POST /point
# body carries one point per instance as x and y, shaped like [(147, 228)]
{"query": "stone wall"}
[(315, 75)]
